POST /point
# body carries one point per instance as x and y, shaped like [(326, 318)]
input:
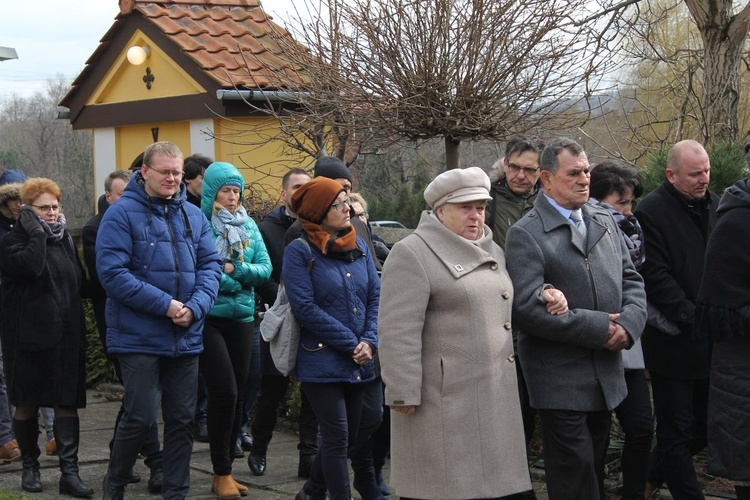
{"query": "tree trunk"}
[(723, 35), (451, 152)]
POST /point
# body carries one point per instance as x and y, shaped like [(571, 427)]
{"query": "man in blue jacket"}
[(158, 264)]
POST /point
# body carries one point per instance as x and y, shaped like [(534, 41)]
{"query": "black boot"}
[(743, 492), (67, 432), (27, 434), (155, 480), (382, 486), (110, 493)]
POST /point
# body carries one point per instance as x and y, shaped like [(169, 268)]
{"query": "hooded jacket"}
[(148, 252), (236, 299), (8, 192), (506, 207)]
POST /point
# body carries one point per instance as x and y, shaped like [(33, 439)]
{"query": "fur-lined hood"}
[(10, 192), (496, 172)]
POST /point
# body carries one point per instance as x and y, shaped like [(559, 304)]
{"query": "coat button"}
[(512, 358), (359, 378), (320, 344), (355, 309), (493, 267), (348, 275), (506, 294), (507, 325), (152, 243)]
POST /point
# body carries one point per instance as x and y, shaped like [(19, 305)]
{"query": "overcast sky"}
[(54, 37)]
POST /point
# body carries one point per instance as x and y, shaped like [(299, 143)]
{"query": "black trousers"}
[(681, 408), (224, 363), (575, 448), (636, 418), (273, 387)]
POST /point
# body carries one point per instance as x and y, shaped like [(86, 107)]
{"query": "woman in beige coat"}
[(446, 351)]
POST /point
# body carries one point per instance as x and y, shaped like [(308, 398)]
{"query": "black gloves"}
[(29, 220)]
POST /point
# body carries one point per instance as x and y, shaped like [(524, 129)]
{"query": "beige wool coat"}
[(446, 347)]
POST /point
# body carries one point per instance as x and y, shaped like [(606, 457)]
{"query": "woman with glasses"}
[(333, 291), (228, 332), (43, 333), (359, 205)]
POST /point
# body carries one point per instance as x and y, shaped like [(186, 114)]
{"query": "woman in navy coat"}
[(333, 290)]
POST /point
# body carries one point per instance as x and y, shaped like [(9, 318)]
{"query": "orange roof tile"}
[(226, 38)]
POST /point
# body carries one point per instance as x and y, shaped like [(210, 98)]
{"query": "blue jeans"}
[(149, 380)]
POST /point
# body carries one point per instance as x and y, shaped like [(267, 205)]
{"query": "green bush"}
[(99, 369), (727, 166)]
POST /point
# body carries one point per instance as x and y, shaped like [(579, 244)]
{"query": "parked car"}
[(387, 223)]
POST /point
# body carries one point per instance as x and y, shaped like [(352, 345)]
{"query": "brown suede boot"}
[(224, 487), (240, 487)]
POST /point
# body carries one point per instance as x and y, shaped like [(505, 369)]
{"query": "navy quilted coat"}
[(149, 251), (336, 303)]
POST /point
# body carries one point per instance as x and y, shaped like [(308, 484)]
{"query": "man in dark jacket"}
[(677, 218), (273, 385), (515, 185), (572, 361), (157, 262)]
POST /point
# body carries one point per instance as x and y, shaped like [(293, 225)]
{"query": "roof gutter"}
[(259, 95)]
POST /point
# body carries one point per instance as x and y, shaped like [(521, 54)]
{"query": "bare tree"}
[(48, 147), (686, 73), (374, 72)]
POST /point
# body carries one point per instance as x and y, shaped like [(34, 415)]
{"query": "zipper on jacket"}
[(177, 273)]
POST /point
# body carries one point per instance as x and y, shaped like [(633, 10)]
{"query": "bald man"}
[(677, 218)]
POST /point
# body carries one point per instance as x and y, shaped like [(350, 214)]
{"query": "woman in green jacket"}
[(228, 332)]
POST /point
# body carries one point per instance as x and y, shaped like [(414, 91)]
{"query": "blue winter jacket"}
[(236, 299), (336, 303), (148, 252)]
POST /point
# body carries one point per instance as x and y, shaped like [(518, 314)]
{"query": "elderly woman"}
[(615, 188), (43, 332), (228, 332), (333, 290), (446, 351)]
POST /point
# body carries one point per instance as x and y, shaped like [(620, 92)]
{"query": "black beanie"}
[(332, 168)]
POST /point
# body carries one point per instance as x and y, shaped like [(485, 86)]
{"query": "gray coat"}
[(563, 357), (446, 347)]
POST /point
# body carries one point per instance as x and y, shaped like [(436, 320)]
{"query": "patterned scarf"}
[(56, 230), (231, 237), (631, 230)]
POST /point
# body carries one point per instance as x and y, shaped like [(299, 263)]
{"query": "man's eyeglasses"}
[(47, 208), (166, 173), (339, 205), (526, 170), (363, 215)]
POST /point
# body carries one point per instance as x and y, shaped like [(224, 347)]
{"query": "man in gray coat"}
[(572, 361)]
